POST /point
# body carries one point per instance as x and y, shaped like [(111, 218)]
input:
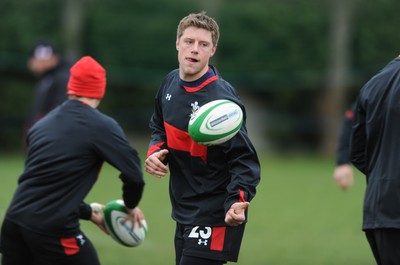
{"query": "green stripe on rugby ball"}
[(215, 122)]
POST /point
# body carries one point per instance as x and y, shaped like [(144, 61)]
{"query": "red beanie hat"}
[(88, 79)]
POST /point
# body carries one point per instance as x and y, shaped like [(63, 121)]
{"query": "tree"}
[(73, 17), (331, 108)]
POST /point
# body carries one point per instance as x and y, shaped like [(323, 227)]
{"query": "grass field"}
[(298, 217)]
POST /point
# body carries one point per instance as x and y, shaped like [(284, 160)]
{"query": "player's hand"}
[(154, 164), (97, 216), (343, 176), (235, 215), (134, 215)]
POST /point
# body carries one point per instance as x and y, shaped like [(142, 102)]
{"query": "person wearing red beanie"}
[(66, 151), (88, 79)]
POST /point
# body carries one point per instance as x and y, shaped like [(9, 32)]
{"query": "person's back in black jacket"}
[(66, 150), (375, 151)]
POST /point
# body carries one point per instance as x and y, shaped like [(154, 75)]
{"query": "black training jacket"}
[(67, 149), (50, 91), (376, 146), (204, 181)]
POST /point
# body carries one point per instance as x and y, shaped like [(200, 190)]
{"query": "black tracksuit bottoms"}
[(20, 246), (385, 245)]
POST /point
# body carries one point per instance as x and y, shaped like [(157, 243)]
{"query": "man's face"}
[(40, 66), (195, 48)]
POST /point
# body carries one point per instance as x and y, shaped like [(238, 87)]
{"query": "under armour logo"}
[(168, 97), (204, 242), (202, 234)]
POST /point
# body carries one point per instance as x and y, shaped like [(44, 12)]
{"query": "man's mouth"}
[(192, 60)]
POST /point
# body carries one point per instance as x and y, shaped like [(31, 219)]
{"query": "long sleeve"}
[(358, 139), (244, 169), (158, 135), (115, 149), (343, 142)]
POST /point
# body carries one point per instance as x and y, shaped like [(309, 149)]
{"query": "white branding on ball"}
[(215, 122), (219, 120), (129, 230)]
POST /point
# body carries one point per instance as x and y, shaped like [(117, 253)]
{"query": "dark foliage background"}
[(276, 53)]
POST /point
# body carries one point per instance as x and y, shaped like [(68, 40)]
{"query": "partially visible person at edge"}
[(343, 174), (52, 72), (210, 186), (375, 145), (66, 150)]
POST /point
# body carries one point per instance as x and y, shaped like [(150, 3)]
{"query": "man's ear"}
[(214, 49)]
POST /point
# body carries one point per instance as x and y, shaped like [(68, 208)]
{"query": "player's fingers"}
[(240, 206), (228, 219), (235, 217), (344, 182), (156, 173), (135, 215), (244, 205), (155, 164), (131, 219), (162, 154), (155, 167), (159, 173)]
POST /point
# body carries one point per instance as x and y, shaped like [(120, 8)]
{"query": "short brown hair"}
[(199, 20)]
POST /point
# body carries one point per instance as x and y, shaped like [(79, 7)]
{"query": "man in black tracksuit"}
[(375, 152), (210, 186), (66, 150), (52, 71)]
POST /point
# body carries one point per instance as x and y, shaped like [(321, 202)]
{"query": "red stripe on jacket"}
[(241, 196), (181, 140), (154, 148), (194, 89)]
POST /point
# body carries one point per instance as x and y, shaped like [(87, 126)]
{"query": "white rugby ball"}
[(120, 231), (215, 122)]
